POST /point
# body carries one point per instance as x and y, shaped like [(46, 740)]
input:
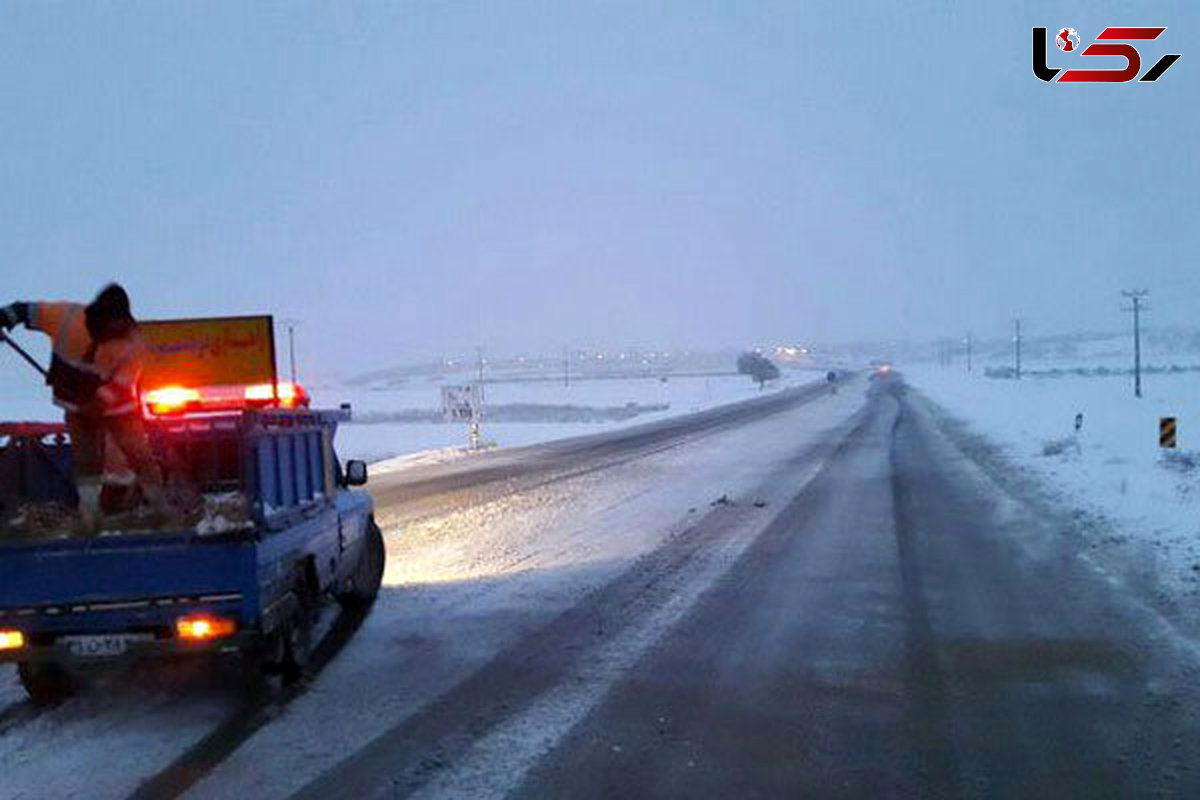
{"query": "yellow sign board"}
[(219, 351)]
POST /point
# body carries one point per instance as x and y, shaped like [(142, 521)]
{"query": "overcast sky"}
[(413, 178)]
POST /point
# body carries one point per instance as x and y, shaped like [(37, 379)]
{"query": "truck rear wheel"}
[(47, 683), (296, 635), (285, 653), (368, 573), (297, 646)]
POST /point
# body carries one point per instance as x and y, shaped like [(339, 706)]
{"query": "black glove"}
[(14, 314)]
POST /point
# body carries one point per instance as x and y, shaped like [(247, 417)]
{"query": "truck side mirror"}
[(356, 473)]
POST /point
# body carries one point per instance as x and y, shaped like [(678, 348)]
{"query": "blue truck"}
[(276, 526)]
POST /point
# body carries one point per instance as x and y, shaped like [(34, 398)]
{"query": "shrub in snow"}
[(1058, 447), (758, 367), (1181, 460)]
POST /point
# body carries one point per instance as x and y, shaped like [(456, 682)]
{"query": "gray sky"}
[(415, 178)]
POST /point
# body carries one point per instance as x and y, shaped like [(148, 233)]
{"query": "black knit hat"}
[(111, 305)]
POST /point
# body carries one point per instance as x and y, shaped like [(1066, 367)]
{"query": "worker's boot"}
[(89, 506)]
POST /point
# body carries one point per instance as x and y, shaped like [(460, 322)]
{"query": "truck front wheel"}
[(47, 683)]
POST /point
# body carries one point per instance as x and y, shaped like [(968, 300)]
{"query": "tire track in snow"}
[(205, 754)]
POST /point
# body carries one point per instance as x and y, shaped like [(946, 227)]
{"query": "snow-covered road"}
[(810, 594), (898, 624)]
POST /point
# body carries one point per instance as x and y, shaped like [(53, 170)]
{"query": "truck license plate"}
[(103, 645)]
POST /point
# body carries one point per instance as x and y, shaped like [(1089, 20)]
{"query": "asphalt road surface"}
[(900, 628)]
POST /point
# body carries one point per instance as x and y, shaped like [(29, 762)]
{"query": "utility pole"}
[(292, 351), (291, 332), (1136, 296), (969, 343), (1017, 344), (566, 367), (477, 403)]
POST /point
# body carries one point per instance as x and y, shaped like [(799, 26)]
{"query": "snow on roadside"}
[(1136, 505), (422, 458), (461, 587)]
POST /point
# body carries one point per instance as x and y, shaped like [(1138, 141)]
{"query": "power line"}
[(1136, 296)]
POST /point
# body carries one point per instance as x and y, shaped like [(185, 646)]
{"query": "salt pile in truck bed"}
[(37, 497)]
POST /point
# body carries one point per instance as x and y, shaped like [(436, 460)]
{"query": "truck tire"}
[(297, 632), (368, 573), (297, 646), (47, 683), (248, 670)]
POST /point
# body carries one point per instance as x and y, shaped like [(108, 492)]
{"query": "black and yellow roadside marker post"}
[(1166, 432)]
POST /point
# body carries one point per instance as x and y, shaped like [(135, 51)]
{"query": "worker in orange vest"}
[(94, 371)]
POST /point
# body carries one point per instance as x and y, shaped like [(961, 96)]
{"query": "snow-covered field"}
[(24, 397), (1136, 504), (383, 440)]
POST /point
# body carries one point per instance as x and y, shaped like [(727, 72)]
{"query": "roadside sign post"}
[(464, 404), (1166, 433)]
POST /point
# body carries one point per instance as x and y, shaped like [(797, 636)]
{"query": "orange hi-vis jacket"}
[(88, 377)]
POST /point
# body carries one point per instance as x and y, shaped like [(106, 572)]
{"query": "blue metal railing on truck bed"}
[(290, 461), (35, 464), (282, 461)]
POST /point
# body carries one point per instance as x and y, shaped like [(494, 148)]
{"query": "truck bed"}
[(269, 531)]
